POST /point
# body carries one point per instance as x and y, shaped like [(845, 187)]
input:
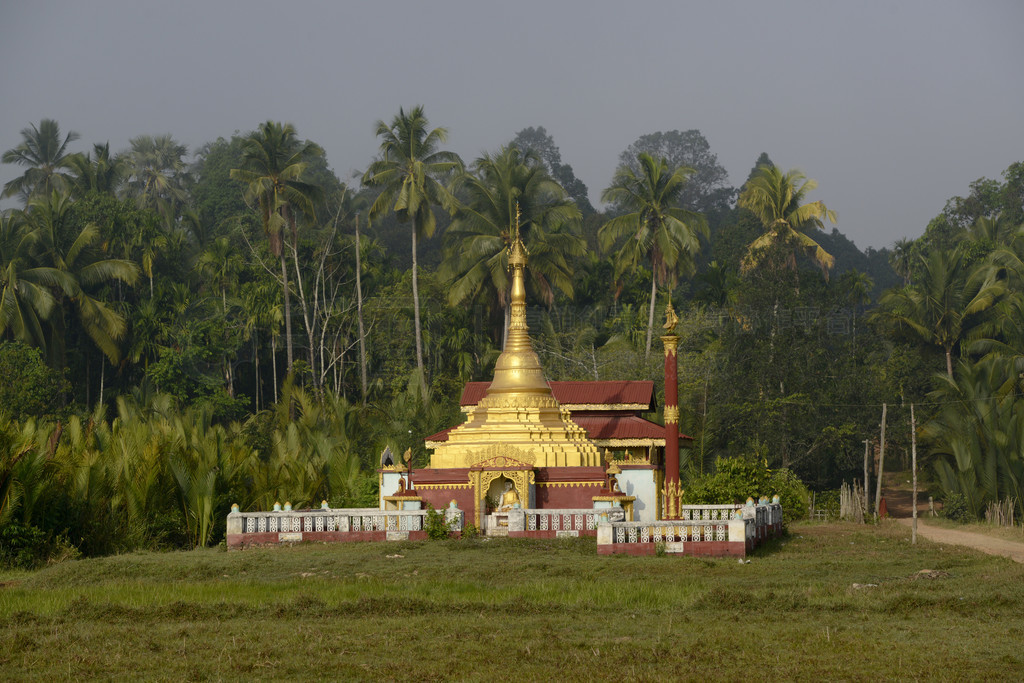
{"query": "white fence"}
[(291, 524)]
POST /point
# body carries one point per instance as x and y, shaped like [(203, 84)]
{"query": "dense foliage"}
[(241, 326)]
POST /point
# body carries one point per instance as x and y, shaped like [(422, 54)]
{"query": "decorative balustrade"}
[(246, 528), (711, 512), (722, 530), (676, 531), (577, 521)]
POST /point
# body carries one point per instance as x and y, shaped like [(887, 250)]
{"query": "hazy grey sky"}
[(892, 106)]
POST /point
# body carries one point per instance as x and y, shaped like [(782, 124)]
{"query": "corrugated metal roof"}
[(619, 427), (624, 392)]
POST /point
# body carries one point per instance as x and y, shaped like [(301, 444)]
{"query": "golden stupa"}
[(518, 419)]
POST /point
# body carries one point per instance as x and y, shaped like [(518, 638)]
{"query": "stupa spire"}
[(518, 416), (517, 369)]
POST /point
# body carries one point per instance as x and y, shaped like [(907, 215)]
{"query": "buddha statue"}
[(509, 498)]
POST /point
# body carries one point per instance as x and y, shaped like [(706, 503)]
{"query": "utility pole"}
[(867, 445), (881, 465), (913, 465)]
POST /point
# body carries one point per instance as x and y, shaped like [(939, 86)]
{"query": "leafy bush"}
[(28, 547), (829, 502), (436, 526), (955, 507), (470, 531), (29, 388), (735, 479)]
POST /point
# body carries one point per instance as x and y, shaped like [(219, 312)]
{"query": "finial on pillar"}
[(671, 319)]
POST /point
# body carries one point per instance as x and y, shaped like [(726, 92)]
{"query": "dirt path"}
[(986, 544)]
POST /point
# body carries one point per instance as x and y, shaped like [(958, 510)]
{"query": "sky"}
[(893, 107)]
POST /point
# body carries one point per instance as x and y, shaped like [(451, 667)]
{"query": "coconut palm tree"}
[(96, 172), (274, 162), (504, 189), (46, 159), (655, 228), (946, 304), (411, 173), (76, 253), (26, 302), (776, 198)]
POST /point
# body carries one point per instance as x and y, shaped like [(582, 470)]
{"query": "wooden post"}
[(881, 465), (867, 486), (913, 465)]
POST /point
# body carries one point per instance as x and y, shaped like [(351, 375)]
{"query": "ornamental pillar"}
[(672, 491)]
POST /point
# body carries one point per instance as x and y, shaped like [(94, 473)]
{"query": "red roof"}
[(618, 427), (440, 436), (625, 392)]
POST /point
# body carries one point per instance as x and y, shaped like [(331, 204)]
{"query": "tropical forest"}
[(184, 329)]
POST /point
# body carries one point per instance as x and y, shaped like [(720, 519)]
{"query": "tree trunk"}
[(273, 360), (913, 466), (650, 316), (359, 314), (949, 361), (287, 315), (416, 306), (256, 363), (309, 320), (229, 373)]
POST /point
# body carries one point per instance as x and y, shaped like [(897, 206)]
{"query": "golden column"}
[(673, 491)]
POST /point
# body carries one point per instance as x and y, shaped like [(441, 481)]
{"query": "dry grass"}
[(507, 609)]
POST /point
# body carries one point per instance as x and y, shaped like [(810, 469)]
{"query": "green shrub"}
[(470, 531), (436, 526), (828, 501), (735, 479), (28, 547), (955, 507), (29, 387)]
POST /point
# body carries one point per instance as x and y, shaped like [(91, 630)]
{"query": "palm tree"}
[(153, 169), (26, 302), (977, 435), (221, 264), (45, 157), (410, 172), (76, 253), (274, 161), (944, 306), (776, 199), (98, 172), (901, 258), (503, 189), (655, 227)]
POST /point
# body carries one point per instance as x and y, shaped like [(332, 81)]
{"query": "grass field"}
[(523, 610)]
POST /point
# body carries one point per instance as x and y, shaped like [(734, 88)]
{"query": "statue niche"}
[(503, 494)]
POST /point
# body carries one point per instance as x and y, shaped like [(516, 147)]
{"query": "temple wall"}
[(641, 483), (440, 496), (557, 496), (388, 485)]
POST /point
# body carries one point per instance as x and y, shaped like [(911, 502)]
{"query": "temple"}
[(539, 459), (527, 443)]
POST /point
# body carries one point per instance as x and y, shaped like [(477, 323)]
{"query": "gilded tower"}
[(518, 416)]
